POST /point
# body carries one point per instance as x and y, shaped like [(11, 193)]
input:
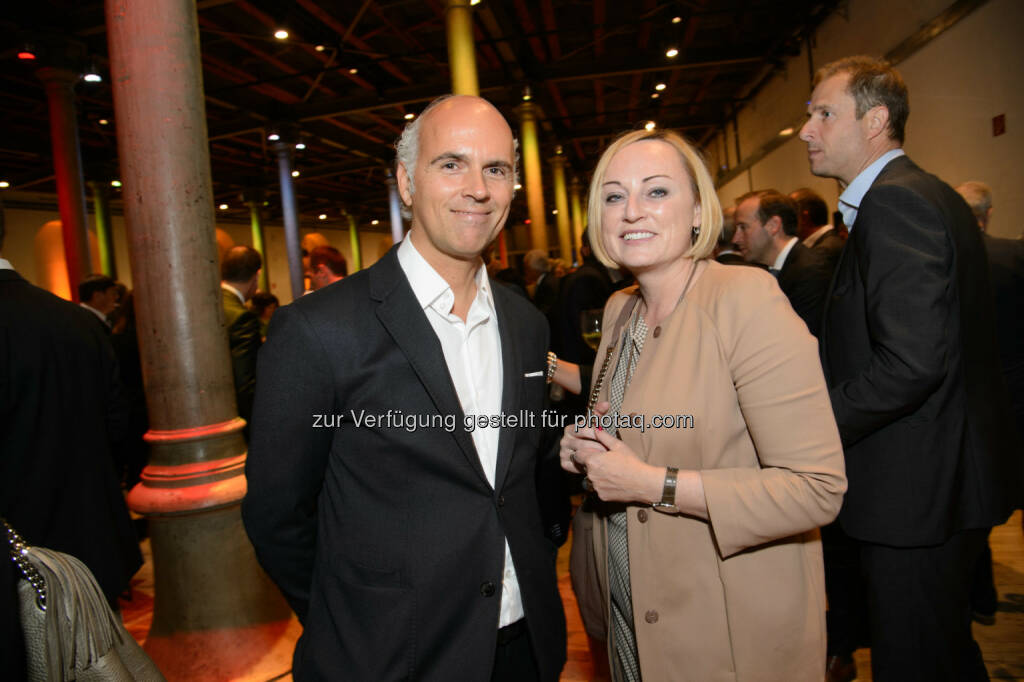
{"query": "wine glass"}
[(590, 327)]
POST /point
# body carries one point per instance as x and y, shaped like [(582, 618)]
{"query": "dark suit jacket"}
[(804, 278), (389, 542), (909, 353), (546, 294), (244, 339), (58, 412), (830, 245), (1006, 274)]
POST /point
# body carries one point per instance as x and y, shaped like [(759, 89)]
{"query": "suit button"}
[(487, 589), (657, 331), (651, 616), (501, 500), (642, 515)]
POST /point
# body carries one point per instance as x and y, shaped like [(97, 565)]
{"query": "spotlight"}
[(375, 222), (410, 116), (650, 125), (223, 207), (92, 74), (655, 95), (300, 145), (273, 137), (319, 48), (353, 71), (322, 216), (786, 132), (281, 34), (672, 52), (295, 173), (4, 184), (115, 183), (660, 86), (554, 212), (676, 20), (517, 186), (103, 122)]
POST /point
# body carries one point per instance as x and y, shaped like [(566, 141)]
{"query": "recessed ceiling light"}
[(650, 125), (660, 86), (672, 52), (223, 207), (322, 216), (319, 48), (676, 20), (375, 222), (410, 116), (300, 145), (655, 95), (517, 186), (273, 137), (281, 34), (295, 173), (353, 71), (115, 183), (4, 184), (554, 212), (785, 132), (103, 122)]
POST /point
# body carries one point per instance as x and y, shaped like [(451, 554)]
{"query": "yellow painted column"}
[(254, 199), (531, 169), (353, 240), (575, 191), (461, 48), (562, 205), (104, 230)]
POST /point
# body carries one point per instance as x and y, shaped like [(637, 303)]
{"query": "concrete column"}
[(531, 170), (216, 614), (296, 273), (562, 204), (104, 230), (395, 204), (67, 166), (254, 200), (461, 47), (353, 240), (578, 216)]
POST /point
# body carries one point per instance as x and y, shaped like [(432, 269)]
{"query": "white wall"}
[(957, 83)]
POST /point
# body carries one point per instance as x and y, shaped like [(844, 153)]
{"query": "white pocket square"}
[(530, 375)]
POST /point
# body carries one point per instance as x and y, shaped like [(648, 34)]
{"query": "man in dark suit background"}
[(99, 295), (58, 414), (240, 275), (410, 546), (766, 223), (813, 228), (909, 353)]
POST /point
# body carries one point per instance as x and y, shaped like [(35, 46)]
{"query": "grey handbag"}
[(70, 631)]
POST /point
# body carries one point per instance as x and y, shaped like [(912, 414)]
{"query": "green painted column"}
[(254, 200), (353, 239), (104, 230)]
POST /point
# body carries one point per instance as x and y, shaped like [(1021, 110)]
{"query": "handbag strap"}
[(19, 555)]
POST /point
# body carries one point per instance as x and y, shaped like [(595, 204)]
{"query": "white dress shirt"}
[(472, 351), (781, 258), (849, 200), (5, 264), (227, 287), (816, 236), (103, 318)]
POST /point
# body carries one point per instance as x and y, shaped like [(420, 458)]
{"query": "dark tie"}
[(775, 272)]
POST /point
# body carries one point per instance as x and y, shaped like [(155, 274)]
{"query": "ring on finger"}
[(587, 484)]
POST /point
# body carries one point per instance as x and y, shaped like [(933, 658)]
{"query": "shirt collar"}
[(103, 318), (781, 258), (849, 200), (5, 265), (227, 287), (429, 287), (816, 236)]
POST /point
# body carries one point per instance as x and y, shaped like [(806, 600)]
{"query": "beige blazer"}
[(741, 597)]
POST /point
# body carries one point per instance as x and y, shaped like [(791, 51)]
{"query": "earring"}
[(696, 231)]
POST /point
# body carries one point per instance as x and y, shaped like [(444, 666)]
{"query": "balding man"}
[(240, 274), (409, 540)]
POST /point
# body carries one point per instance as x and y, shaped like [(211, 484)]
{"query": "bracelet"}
[(668, 493), (552, 366)]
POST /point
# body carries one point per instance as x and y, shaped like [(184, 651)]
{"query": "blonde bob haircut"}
[(700, 182)]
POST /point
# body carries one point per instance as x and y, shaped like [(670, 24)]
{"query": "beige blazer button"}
[(642, 515), (651, 616)]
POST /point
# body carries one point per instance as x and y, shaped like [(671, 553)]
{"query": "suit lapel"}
[(512, 372), (403, 318)]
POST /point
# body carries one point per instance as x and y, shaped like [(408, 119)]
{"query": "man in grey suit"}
[(392, 492), (909, 353)]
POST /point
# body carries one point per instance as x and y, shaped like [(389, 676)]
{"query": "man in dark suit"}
[(58, 414), (408, 539), (813, 228), (766, 233), (240, 275), (99, 295), (540, 280), (909, 353)]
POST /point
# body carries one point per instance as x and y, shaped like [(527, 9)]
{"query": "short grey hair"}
[(407, 147), (978, 196), (537, 260)]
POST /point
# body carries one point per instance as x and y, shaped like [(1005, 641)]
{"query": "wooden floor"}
[(1002, 643)]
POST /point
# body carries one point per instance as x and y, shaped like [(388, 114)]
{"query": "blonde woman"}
[(713, 448)]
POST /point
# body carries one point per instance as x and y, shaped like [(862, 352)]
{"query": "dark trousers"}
[(513, 656), (919, 610), (984, 598), (847, 616)]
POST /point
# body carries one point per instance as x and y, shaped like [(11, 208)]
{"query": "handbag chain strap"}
[(19, 555)]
